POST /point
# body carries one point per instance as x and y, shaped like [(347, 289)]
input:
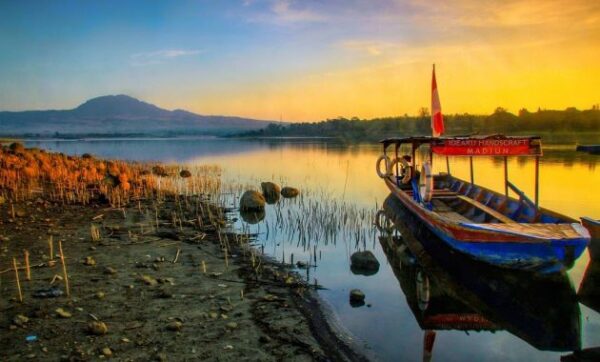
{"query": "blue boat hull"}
[(546, 256), (549, 257)]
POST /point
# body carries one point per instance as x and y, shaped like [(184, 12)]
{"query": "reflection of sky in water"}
[(568, 183)]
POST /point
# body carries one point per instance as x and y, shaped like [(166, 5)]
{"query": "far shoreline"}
[(557, 138)]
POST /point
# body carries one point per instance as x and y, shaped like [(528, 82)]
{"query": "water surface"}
[(333, 218)]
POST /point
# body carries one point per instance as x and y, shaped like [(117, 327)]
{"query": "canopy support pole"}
[(431, 156), (505, 176), (537, 180), (414, 160), (397, 173), (447, 165), (471, 167)]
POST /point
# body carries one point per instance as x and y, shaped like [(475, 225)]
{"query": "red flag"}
[(437, 120)]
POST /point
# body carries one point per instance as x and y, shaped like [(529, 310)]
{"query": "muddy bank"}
[(157, 277)]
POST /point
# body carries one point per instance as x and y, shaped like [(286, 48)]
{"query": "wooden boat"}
[(479, 222), (444, 293)]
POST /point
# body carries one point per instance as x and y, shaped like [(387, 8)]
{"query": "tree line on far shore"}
[(548, 122)]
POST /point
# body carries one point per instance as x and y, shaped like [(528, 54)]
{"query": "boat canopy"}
[(493, 145)]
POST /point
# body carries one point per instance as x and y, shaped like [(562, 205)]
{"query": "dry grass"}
[(29, 173)]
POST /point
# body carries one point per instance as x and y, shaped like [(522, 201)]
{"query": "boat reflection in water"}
[(448, 291), (589, 290)]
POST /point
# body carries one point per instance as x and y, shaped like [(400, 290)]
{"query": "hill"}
[(120, 115)]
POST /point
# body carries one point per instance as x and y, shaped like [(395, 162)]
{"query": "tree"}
[(424, 112), (500, 110)]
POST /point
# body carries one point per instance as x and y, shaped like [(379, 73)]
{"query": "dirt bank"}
[(164, 293)]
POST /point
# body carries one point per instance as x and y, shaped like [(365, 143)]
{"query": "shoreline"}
[(164, 275)]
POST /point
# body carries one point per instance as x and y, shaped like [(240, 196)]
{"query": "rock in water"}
[(251, 201), (289, 192), (253, 217), (271, 191), (357, 298), (364, 263)]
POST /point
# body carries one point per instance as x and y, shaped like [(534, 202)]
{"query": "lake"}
[(333, 218)]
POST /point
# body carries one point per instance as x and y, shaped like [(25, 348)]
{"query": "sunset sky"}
[(302, 60)]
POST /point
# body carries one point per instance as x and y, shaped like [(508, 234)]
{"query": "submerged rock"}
[(251, 201), (289, 192), (364, 263)]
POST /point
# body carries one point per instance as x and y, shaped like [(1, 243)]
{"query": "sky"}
[(302, 60)]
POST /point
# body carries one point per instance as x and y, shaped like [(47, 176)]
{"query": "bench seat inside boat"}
[(495, 214)]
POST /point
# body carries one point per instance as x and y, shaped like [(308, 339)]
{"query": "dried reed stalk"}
[(27, 268), (51, 247), (17, 280), (64, 267)]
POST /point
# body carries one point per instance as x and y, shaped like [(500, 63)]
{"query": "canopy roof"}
[(493, 145)]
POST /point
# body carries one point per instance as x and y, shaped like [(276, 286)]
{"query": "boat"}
[(444, 293), (479, 222)]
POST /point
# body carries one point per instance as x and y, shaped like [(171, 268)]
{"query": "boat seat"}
[(495, 214), (440, 206), (443, 193), (453, 216)]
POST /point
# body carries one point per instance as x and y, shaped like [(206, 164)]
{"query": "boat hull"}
[(497, 247)]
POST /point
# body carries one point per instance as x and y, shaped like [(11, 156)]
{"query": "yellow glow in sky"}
[(303, 60), (512, 54)]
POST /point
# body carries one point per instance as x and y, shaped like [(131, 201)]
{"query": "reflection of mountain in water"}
[(165, 149), (448, 291), (177, 149)]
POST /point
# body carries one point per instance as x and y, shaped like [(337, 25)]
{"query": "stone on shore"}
[(97, 328)]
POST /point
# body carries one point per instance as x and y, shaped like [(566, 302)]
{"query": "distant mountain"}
[(121, 115)]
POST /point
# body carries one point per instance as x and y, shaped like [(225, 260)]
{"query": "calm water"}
[(341, 194)]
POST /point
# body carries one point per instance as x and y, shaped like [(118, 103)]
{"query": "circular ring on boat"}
[(388, 168), (405, 170), (426, 182)]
